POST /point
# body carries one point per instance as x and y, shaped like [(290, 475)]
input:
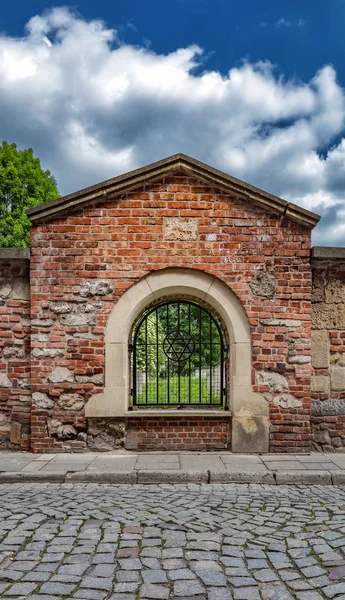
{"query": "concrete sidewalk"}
[(169, 467)]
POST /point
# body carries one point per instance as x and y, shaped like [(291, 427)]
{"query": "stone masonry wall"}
[(328, 349), (15, 394), (82, 263)]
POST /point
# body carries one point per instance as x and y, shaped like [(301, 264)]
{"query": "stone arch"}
[(249, 410)]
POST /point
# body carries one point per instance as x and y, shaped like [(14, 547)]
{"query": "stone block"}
[(61, 374), (287, 401), (72, 401), (275, 382), (320, 349), (299, 359), (335, 291), (61, 431), (250, 434), (96, 287), (16, 429), (338, 379), (180, 229), (263, 284), (41, 400), (318, 288), (5, 288), (330, 408), (320, 383), (324, 316), (5, 382), (21, 288)]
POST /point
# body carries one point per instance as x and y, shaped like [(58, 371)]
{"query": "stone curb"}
[(243, 477), (173, 476), (303, 477), (19, 477), (177, 476), (102, 477)]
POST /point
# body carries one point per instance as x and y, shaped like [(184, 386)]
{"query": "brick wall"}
[(15, 394), (328, 349), (83, 262), (178, 433)]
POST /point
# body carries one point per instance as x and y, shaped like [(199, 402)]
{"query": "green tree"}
[(23, 185)]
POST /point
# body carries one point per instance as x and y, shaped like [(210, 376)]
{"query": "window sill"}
[(154, 412)]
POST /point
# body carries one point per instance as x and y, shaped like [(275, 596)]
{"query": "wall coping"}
[(328, 252), (12, 254)]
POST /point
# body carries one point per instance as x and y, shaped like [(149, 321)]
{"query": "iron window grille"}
[(178, 355)]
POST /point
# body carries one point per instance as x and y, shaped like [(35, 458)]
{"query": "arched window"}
[(178, 356)]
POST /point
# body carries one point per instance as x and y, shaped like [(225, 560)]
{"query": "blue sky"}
[(252, 87)]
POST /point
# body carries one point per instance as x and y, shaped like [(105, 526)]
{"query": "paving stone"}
[(57, 589), (157, 592), (97, 583), (20, 589), (218, 594)]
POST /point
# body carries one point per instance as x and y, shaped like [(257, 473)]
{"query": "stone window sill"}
[(147, 412)]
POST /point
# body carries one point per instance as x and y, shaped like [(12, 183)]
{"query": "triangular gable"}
[(179, 163)]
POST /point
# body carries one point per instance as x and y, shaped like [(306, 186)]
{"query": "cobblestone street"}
[(212, 542)]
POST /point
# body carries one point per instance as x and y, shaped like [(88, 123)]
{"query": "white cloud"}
[(93, 107), (283, 23)]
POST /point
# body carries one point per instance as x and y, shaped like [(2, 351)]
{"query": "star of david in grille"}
[(178, 345)]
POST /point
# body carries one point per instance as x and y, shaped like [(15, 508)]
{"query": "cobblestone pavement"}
[(212, 542)]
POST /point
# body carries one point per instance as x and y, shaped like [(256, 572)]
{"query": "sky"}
[(254, 88)]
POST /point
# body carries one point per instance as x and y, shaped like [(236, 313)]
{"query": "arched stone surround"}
[(249, 410)]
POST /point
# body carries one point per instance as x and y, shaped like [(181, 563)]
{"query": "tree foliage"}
[(23, 185)]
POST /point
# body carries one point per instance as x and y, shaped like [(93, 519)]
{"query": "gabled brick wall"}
[(83, 262)]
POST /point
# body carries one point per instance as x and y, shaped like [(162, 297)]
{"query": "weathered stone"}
[(281, 322), (96, 287), (299, 359), (328, 316), (3, 419), (320, 383), (318, 288), (338, 379), (321, 437), (78, 320), (60, 308), (96, 379), (42, 400), (24, 383), (71, 402), (105, 434), (180, 229), (14, 351), (60, 374), (5, 382), (16, 430), (320, 349), (88, 307), (335, 291), (263, 284), (47, 352), (60, 430), (275, 382), (249, 432), (5, 288), (41, 322), (21, 288), (287, 401), (39, 337)]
